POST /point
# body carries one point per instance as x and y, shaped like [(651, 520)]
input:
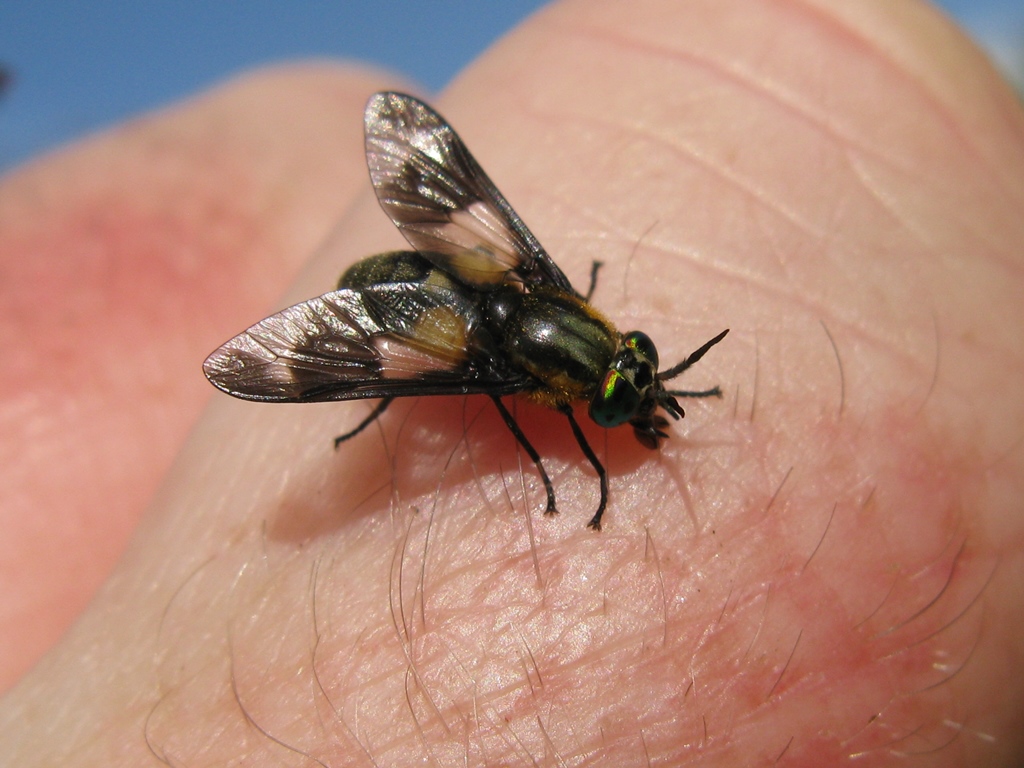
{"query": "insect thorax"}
[(555, 336)]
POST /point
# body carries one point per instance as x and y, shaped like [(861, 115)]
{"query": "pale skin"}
[(822, 567)]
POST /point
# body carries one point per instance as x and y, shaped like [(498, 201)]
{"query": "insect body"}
[(478, 307)]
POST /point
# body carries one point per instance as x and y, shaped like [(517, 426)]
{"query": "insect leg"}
[(374, 414), (692, 358), (593, 279), (510, 422), (595, 521)]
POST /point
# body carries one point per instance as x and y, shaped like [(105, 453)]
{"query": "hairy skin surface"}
[(823, 568)]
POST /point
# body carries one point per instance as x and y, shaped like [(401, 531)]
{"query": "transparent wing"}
[(388, 340), (442, 201)]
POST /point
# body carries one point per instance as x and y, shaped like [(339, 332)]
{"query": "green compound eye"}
[(641, 343), (615, 401)]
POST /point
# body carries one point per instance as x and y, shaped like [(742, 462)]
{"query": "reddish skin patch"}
[(776, 611), (124, 263)]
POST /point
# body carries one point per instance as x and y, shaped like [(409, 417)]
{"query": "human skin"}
[(822, 567)]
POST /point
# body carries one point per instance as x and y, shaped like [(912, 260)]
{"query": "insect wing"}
[(388, 340), (442, 201)]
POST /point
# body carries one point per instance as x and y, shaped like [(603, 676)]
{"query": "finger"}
[(126, 259)]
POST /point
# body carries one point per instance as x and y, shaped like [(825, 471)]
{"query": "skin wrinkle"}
[(921, 234), (759, 84), (770, 92), (722, 172), (846, 141), (951, 112)]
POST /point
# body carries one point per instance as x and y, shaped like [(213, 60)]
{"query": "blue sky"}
[(77, 67)]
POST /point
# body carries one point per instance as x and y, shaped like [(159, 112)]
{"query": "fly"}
[(477, 307)]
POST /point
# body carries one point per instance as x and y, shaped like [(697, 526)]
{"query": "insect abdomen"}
[(391, 267)]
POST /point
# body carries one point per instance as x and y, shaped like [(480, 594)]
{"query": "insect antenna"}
[(692, 358), (594, 268), (713, 392)]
